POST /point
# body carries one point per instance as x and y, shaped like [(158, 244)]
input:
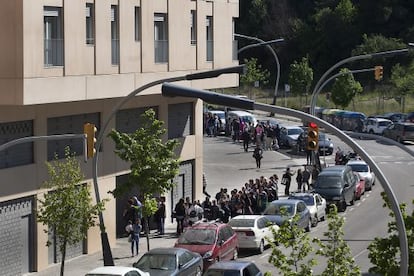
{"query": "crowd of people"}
[(252, 198)]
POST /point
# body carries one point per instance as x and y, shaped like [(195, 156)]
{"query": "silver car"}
[(289, 136)]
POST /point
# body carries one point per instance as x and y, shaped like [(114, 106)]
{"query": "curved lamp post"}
[(211, 97), (366, 56), (106, 249), (274, 55)]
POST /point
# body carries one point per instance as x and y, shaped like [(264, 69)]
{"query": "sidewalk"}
[(121, 253)]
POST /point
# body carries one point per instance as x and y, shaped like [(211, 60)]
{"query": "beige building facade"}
[(67, 62)]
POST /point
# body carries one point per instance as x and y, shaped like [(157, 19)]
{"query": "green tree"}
[(384, 252), (67, 208), (254, 73), (340, 261), (153, 162), (300, 78), (297, 242), (344, 89), (403, 79)]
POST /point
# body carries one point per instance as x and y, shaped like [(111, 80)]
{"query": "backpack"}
[(193, 214)]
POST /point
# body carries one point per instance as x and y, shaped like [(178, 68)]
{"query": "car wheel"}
[(235, 254), (323, 218), (198, 272), (399, 140), (261, 247), (307, 229), (342, 206), (315, 221), (352, 202)]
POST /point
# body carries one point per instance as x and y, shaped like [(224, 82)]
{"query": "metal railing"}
[(53, 52), (161, 51)]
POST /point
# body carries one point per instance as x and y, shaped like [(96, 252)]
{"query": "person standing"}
[(160, 216), (258, 155), (286, 180), (305, 179), (133, 231), (299, 179), (246, 139), (180, 215)]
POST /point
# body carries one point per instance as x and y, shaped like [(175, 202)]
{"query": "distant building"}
[(67, 62)]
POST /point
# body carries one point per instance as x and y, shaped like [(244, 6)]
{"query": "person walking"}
[(133, 232), (305, 179), (258, 155), (246, 139), (286, 180), (160, 217)]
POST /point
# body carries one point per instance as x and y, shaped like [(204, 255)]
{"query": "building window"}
[(114, 35), (53, 36), (209, 32), (180, 120), (90, 24), (161, 38), (235, 42), (137, 23), (193, 27)]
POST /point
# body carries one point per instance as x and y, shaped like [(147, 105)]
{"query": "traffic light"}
[(90, 131), (379, 71), (313, 137)]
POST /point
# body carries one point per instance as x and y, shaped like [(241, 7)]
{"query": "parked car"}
[(289, 136), (243, 116), (281, 210), (409, 117), (325, 144), (337, 185), (360, 186), (170, 261), (233, 268), (374, 125), (116, 271), (214, 241), (395, 117), (364, 170), (400, 132), (253, 231), (315, 203)]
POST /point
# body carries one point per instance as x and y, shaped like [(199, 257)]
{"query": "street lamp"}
[(106, 249), (274, 55), (366, 56), (172, 90)]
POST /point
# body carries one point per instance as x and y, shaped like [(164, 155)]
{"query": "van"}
[(243, 116), (337, 184)]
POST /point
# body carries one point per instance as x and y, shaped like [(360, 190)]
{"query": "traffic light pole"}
[(106, 249), (172, 90)]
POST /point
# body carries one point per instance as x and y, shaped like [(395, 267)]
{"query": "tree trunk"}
[(63, 252), (147, 233)]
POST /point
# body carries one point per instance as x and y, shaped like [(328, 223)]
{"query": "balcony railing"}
[(115, 51), (210, 52), (235, 50), (161, 51), (53, 52)]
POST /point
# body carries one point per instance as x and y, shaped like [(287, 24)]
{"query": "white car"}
[(373, 125), (253, 231), (364, 171), (117, 271), (315, 203)]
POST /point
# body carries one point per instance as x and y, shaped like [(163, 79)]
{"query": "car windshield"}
[(308, 199), (246, 119), (359, 167), (321, 137), (198, 236), (241, 223), (156, 261), (294, 131), (219, 272), (383, 123), (280, 209), (328, 182)]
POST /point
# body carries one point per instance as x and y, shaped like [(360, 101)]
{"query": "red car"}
[(214, 241), (360, 185)]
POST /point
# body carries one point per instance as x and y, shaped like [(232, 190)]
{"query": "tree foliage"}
[(384, 252), (345, 88), (153, 161), (297, 242), (300, 77), (66, 210), (334, 247), (254, 73)]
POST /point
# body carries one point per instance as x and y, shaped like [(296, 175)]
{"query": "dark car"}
[(233, 268), (170, 261), (394, 116), (214, 241), (337, 184), (400, 132), (281, 210)]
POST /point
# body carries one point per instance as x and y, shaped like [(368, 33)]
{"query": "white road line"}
[(265, 255), (360, 253)]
